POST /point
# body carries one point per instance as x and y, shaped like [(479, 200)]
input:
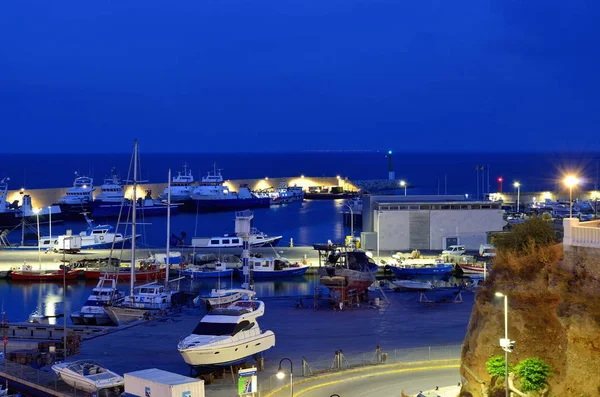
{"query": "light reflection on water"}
[(22, 299)]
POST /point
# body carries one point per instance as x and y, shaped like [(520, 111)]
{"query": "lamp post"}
[(403, 184), (281, 374), (506, 343), (378, 258), (571, 181), (37, 215), (518, 186), (351, 220)]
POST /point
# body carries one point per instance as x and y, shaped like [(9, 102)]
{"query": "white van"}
[(455, 250), (487, 251)]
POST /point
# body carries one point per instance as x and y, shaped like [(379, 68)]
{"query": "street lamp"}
[(505, 343), (351, 220), (403, 184), (36, 211), (518, 186), (378, 215), (281, 374), (571, 181)]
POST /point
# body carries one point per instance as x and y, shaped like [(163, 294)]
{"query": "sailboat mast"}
[(133, 215), (168, 259)]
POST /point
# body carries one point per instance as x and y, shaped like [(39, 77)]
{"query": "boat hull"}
[(425, 271), (229, 354), (125, 315), (208, 274), (289, 272), (112, 210), (140, 276), (470, 269), (90, 319), (44, 276)]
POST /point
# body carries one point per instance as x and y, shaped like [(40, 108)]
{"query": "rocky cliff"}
[(554, 314)]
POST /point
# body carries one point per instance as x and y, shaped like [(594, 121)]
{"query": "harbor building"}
[(428, 222)]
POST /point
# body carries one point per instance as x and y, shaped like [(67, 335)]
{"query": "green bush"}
[(534, 232), (533, 373), (496, 366)]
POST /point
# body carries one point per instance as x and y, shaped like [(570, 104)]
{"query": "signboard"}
[(247, 381)]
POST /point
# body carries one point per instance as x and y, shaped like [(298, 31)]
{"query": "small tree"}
[(496, 366), (533, 373), (534, 231)]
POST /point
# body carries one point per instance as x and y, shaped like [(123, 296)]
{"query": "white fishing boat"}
[(224, 297), (227, 336), (181, 186), (81, 192), (92, 312), (111, 191), (257, 239), (413, 285), (89, 376)]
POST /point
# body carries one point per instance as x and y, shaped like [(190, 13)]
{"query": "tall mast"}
[(133, 215), (168, 259)]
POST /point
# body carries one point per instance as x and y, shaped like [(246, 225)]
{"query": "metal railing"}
[(342, 362)]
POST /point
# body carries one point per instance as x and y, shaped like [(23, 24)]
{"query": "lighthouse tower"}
[(391, 173), (243, 225)]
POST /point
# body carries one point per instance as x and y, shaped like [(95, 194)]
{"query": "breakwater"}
[(45, 197)]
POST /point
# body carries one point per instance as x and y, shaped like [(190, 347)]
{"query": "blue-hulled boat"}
[(422, 267), (263, 268), (196, 272)]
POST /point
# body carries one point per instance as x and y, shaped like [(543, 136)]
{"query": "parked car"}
[(487, 251), (455, 250)]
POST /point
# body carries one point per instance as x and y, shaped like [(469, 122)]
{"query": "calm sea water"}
[(425, 172)]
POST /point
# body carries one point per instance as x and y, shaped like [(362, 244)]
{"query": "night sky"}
[(291, 75)]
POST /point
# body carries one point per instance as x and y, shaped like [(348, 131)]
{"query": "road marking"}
[(394, 371)]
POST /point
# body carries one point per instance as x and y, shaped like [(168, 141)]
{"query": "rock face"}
[(554, 314)]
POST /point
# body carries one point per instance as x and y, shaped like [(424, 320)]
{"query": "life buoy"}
[(101, 238)]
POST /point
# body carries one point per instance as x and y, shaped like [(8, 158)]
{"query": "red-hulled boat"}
[(44, 275), (151, 274), (473, 268)]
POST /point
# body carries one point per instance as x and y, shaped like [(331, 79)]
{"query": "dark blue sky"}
[(277, 75)]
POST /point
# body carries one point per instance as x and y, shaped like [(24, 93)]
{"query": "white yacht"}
[(181, 186), (92, 312), (81, 192), (257, 239), (224, 297), (111, 191), (89, 376), (227, 336), (146, 299)]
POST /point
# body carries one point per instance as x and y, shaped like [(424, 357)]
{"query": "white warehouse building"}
[(428, 222)]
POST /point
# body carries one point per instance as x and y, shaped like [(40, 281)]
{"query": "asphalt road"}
[(390, 384)]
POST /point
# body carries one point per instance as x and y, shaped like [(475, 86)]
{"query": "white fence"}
[(581, 234)]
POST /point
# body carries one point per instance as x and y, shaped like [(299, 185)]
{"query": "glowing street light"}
[(571, 181), (518, 186), (505, 343), (403, 184), (281, 374)]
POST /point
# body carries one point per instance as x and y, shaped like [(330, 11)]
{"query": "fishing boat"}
[(226, 337), (224, 297), (111, 191), (257, 239), (146, 207), (340, 268), (89, 376), (28, 274), (181, 186), (143, 274), (218, 270), (78, 198), (413, 285), (417, 267), (279, 267), (212, 195), (92, 312), (22, 212)]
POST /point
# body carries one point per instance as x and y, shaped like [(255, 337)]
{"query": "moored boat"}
[(473, 268), (27, 273), (146, 207), (413, 285), (224, 297), (226, 337), (218, 270), (263, 268), (90, 377), (256, 239), (181, 186), (416, 267), (92, 312)]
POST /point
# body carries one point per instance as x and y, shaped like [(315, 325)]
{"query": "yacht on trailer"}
[(226, 337), (181, 186)]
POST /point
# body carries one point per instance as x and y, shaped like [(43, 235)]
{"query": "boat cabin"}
[(268, 264)]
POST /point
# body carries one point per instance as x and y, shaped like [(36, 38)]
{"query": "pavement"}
[(379, 381)]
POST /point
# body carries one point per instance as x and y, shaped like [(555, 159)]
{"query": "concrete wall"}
[(45, 197)]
